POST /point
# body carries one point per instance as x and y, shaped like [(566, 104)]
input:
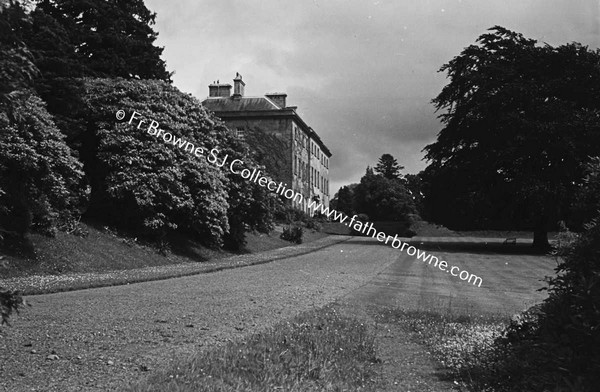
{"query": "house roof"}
[(244, 107), (238, 104)]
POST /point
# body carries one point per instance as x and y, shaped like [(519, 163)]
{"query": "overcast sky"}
[(362, 73)]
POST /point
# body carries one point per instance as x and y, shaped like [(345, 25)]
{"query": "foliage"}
[(17, 70), (287, 214), (40, 179), (9, 301), (363, 218), (268, 150), (383, 199), (344, 201), (99, 39), (569, 327), (587, 201), (251, 206), (292, 234), (138, 181), (519, 119), (313, 224), (414, 183), (388, 167)]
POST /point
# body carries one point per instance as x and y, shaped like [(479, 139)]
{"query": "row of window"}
[(313, 147), (310, 174)]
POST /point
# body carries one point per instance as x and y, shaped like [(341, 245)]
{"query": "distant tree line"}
[(383, 194)]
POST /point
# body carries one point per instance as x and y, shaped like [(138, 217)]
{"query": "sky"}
[(362, 73)]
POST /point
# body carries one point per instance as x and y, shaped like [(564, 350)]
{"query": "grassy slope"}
[(103, 250)]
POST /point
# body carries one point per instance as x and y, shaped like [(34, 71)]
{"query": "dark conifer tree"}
[(388, 167)]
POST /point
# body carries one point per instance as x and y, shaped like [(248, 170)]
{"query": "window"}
[(240, 133)]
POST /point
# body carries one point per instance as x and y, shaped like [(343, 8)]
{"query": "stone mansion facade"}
[(305, 166)]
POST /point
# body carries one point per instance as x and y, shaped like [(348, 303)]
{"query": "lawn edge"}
[(229, 263)]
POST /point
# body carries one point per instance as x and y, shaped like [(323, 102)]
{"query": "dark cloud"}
[(362, 73)]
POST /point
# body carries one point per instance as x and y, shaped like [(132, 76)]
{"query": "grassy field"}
[(320, 350)]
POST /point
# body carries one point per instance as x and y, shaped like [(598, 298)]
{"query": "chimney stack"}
[(278, 99), (238, 85), (216, 89)]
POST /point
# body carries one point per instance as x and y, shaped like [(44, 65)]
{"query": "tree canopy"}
[(388, 167), (383, 199), (519, 121), (75, 38)]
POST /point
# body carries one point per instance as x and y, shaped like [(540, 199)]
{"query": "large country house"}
[(304, 163)]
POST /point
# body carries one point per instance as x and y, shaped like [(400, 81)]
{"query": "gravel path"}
[(44, 284), (101, 339)]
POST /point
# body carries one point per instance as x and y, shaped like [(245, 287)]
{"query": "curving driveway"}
[(100, 339)]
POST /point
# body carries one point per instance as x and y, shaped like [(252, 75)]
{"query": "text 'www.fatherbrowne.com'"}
[(237, 166)]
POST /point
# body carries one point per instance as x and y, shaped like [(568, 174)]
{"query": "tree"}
[(10, 301), (40, 179), (102, 38), (519, 122), (140, 182), (71, 39), (17, 70), (41, 182), (251, 206), (414, 185), (388, 167), (383, 199), (344, 200), (587, 200)]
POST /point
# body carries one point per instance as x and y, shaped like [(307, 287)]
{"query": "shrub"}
[(293, 234), (40, 179), (140, 182), (288, 214), (313, 224), (9, 301), (363, 218), (554, 346), (570, 322)]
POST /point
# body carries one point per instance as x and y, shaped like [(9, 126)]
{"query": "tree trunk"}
[(540, 234)]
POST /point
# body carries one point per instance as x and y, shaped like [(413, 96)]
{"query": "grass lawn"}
[(103, 250), (461, 343), (320, 350)]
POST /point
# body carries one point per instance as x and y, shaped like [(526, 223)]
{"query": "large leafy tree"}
[(157, 188), (519, 120), (344, 200), (40, 179), (70, 39), (138, 181), (388, 167), (102, 38), (383, 199)]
